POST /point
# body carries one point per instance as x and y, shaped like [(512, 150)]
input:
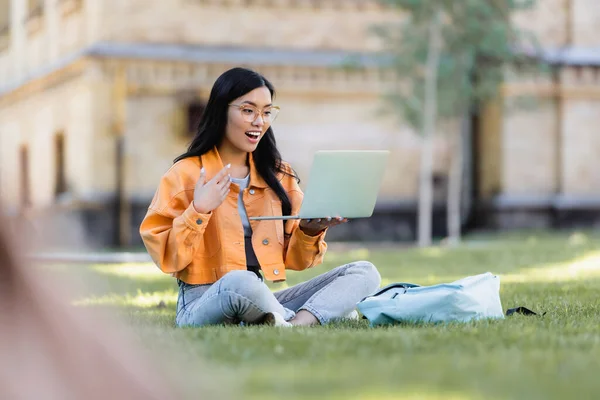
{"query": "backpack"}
[(471, 298)]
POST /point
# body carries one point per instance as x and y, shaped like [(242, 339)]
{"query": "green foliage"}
[(479, 44)]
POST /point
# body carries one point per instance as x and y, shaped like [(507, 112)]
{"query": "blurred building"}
[(97, 97)]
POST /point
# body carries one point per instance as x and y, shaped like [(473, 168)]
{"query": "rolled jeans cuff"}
[(314, 312)]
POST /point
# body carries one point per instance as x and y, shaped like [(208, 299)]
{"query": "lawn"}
[(554, 356)]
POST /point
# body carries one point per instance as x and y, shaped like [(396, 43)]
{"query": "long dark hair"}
[(229, 86)]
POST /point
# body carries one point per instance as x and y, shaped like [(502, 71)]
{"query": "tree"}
[(449, 57)]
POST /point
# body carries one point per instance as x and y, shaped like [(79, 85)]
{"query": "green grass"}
[(551, 357)]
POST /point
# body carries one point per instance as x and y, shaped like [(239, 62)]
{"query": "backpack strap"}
[(397, 285), (521, 310)]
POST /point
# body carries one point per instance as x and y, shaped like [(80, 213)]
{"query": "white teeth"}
[(254, 134)]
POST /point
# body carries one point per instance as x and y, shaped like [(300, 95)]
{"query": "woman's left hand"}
[(313, 227)]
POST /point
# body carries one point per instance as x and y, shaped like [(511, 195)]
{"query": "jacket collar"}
[(212, 163)]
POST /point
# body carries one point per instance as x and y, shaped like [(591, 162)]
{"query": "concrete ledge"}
[(574, 56), (505, 201), (562, 202), (203, 54), (91, 258), (87, 227), (556, 201), (542, 212)]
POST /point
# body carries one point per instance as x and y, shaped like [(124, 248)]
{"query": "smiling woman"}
[(259, 118), (198, 226)]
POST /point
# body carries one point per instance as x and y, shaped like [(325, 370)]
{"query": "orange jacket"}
[(201, 248)]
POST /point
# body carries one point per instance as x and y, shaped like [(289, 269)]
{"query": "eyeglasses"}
[(250, 112)]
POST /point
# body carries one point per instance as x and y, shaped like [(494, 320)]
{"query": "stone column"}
[(52, 21), (93, 11), (18, 37)]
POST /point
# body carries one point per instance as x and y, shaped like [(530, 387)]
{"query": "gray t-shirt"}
[(251, 260)]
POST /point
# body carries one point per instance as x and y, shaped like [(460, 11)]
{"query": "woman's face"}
[(248, 119)]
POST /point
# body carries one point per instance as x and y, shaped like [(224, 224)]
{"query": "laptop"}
[(342, 183)]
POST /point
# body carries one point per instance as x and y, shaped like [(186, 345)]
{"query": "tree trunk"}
[(429, 124), (123, 207), (455, 185), (454, 204)]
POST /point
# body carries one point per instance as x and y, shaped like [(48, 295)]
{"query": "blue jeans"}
[(241, 296)]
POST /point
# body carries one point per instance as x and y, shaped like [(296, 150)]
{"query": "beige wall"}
[(10, 137), (586, 23), (151, 142), (5, 69), (34, 122), (553, 147), (101, 116), (580, 132), (305, 125), (64, 28), (308, 124), (201, 22), (581, 148), (551, 21), (36, 56), (321, 110), (548, 21), (4, 12), (529, 149)]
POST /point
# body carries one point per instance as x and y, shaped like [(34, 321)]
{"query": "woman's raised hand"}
[(209, 195)]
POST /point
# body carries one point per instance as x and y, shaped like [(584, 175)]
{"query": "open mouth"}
[(253, 135)]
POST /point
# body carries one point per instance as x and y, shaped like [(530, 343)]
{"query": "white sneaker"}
[(276, 319), (353, 315)]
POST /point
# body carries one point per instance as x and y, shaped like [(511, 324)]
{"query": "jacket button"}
[(265, 242), (251, 191), (275, 272), (199, 221)]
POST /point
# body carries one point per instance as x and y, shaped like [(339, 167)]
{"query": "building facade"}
[(97, 97)]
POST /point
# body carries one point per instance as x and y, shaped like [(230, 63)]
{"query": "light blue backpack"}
[(471, 298)]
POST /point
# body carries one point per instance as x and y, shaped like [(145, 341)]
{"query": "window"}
[(35, 12), (35, 8), (60, 182), (25, 195)]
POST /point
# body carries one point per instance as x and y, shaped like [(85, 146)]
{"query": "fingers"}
[(218, 178), (312, 222), (321, 223), (315, 224), (224, 183), (340, 220), (224, 188), (202, 179)]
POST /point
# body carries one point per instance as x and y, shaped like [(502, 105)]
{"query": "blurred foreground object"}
[(52, 350)]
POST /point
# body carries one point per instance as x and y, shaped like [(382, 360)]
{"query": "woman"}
[(197, 226)]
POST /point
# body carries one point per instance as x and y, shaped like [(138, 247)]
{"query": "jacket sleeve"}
[(301, 251), (172, 228)]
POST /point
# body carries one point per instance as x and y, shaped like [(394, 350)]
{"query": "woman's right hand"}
[(209, 195)]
